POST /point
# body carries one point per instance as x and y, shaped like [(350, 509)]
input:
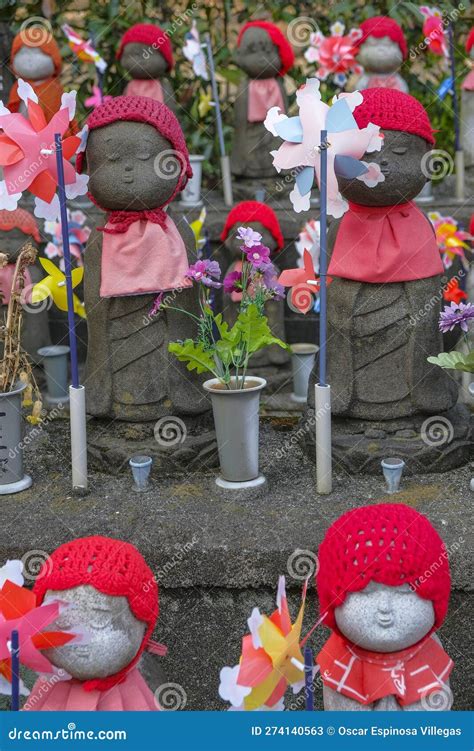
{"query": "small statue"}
[(262, 219), (109, 596), (264, 54), (467, 110), (138, 162), (146, 54), (382, 50), (15, 228), (383, 587), (385, 296), (40, 66)]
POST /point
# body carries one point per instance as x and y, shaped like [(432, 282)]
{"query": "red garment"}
[(392, 81), (385, 244), (364, 676), (388, 543), (263, 94), (151, 35), (391, 109), (6, 279), (253, 211), (383, 26), (149, 87), (20, 219), (285, 50)]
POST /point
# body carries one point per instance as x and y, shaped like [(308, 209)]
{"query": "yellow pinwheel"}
[(197, 226), (54, 286), (205, 103)]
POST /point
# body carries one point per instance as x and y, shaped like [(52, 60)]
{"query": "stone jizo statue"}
[(146, 54)]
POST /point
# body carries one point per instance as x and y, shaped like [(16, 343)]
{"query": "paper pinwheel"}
[(19, 611), (271, 658), (192, 51), (346, 145), (434, 31), (84, 50), (451, 240), (54, 286), (197, 227), (334, 55), (78, 234), (96, 98), (309, 239), (28, 155), (301, 298)]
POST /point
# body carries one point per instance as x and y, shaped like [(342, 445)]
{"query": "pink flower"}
[(205, 272), (232, 282), (257, 255)]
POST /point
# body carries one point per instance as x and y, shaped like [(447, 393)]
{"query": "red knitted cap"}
[(113, 567), (394, 110), (383, 26), (470, 41), (388, 543), (253, 211), (152, 35), (19, 219), (142, 109), (285, 50)]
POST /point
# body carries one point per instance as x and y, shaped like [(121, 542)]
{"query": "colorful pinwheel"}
[(84, 50), (451, 240), (78, 235), (54, 286), (271, 658), (28, 154), (334, 55), (302, 292), (434, 31), (345, 147), (192, 51)]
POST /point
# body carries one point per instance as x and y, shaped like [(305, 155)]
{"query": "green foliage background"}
[(106, 20)]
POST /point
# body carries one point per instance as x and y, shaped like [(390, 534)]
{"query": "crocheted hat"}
[(49, 47), (253, 211), (470, 41), (285, 49), (142, 109), (388, 543), (394, 110), (149, 34), (19, 219), (113, 567), (383, 26)]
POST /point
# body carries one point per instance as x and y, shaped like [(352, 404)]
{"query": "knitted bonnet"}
[(49, 47), (393, 110), (151, 35), (19, 219), (253, 211), (388, 543), (383, 26), (285, 49), (113, 567), (470, 41)]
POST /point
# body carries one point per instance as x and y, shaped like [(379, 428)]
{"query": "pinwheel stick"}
[(76, 391), (225, 162), (15, 654), (459, 155), (322, 389), (308, 679)]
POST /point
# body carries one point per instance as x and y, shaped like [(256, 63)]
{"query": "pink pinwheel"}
[(346, 145), (302, 291), (96, 98), (334, 55), (434, 30), (27, 149)]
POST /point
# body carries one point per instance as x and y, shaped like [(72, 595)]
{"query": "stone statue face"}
[(400, 159), (385, 619), (234, 244), (143, 61), (33, 64), (12, 241), (113, 634), (380, 55), (132, 167), (257, 56)]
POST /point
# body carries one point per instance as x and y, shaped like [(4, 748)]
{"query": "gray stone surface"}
[(381, 58), (216, 554), (467, 124), (142, 61)]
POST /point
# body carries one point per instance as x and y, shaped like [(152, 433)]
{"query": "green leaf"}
[(196, 357), (255, 331), (454, 361)]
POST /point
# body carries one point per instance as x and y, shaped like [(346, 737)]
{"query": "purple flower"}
[(456, 314), (205, 272), (231, 281), (270, 281), (155, 308), (258, 255), (249, 236)]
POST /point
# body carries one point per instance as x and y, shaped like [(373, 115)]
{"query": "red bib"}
[(385, 244)]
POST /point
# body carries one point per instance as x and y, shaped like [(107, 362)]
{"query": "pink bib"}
[(6, 279), (468, 83), (144, 259), (132, 695), (149, 87), (385, 244), (263, 94)]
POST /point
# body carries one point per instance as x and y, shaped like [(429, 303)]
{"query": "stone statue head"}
[(12, 241), (17, 228), (257, 55), (112, 634), (33, 64), (143, 61), (233, 244), (380, 55), (401, 162), (380, 618)]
